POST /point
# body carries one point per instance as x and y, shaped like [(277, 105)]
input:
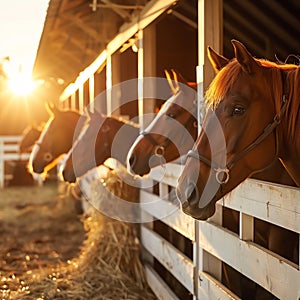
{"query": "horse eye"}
[(238, 111)]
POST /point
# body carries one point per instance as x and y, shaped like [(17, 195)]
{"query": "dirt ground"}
[(39, 229)]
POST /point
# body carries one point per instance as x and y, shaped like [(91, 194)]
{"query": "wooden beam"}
[(80, 24), (120, 11)]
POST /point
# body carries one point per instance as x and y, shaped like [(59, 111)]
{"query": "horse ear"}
[(217, 61), (179, 78), (172, 87), (51, 108), (244, 58)]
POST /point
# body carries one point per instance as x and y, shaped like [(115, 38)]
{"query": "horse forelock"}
[(222, 83), (225, 79)]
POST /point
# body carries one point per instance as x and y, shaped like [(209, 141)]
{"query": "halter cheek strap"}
[(159, 148)]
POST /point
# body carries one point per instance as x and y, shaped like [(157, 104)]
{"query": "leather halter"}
[(159, 148), (222, 173)]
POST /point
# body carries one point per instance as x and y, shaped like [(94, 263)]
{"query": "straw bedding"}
[(107, 267)]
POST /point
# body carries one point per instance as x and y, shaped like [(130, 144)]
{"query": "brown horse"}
[(172, 132), (251, 123), (56, 139), (29, 137), (102, 138)]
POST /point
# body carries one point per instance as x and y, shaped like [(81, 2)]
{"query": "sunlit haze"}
[(21, 24)]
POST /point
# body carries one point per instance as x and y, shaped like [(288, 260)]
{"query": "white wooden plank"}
[(11, 148), (172, 259), (272, 272), (277, 204), (211, 289), (167, 173), (11, 138), (15, 156), (158, 286), (169, 214)]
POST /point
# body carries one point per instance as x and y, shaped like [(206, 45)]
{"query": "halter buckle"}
[(223, 172), (159, 151), (48, 156)]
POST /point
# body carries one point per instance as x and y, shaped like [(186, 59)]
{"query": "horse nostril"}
[(132, 159), (192, 193)]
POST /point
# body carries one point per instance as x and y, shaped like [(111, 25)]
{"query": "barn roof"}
[(77, 31)]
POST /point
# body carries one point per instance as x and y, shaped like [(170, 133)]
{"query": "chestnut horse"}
[(101, 138), (56, 139), (251, 123), (172, 132)]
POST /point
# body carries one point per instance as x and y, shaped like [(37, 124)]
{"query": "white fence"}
[(212, 243), (9, 151)]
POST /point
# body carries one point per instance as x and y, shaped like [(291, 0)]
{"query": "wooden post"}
[(210, 33), (73, 101), (80, 99), (140, 79), (108, 84), (1, 163), (149, 61), (92, 93)]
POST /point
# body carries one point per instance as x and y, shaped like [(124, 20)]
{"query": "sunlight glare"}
[(21, 84)]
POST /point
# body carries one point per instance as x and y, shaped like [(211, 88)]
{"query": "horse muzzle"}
[(189, 198), (37, 168)]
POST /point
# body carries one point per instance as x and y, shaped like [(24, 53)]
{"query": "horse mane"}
[(225, 79)]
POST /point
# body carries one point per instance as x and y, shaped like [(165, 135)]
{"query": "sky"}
[(21, 25)]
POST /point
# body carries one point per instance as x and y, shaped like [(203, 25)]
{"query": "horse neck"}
[(71, 128), (289, 129), (122, 141)]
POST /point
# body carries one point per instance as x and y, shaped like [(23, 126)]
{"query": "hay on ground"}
[(108, 266)]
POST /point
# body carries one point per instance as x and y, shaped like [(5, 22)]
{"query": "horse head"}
[(240, 132), (102, 137), (82, 155), (55, 139), (172, 132)]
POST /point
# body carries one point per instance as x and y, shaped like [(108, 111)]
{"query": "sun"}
[(21, 84)]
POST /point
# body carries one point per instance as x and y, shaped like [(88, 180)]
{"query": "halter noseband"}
[(266, 132), (159, 148), (48, 156)]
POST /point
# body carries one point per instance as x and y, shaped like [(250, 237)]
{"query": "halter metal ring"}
[(48, 156), (223, 172), (159, 151)]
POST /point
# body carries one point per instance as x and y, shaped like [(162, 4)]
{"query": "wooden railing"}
[(9, 151)]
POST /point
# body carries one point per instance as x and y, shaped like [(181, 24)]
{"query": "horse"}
[(29, 136), (56, 138), (251, 122), (103, 137), (172, 132)]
